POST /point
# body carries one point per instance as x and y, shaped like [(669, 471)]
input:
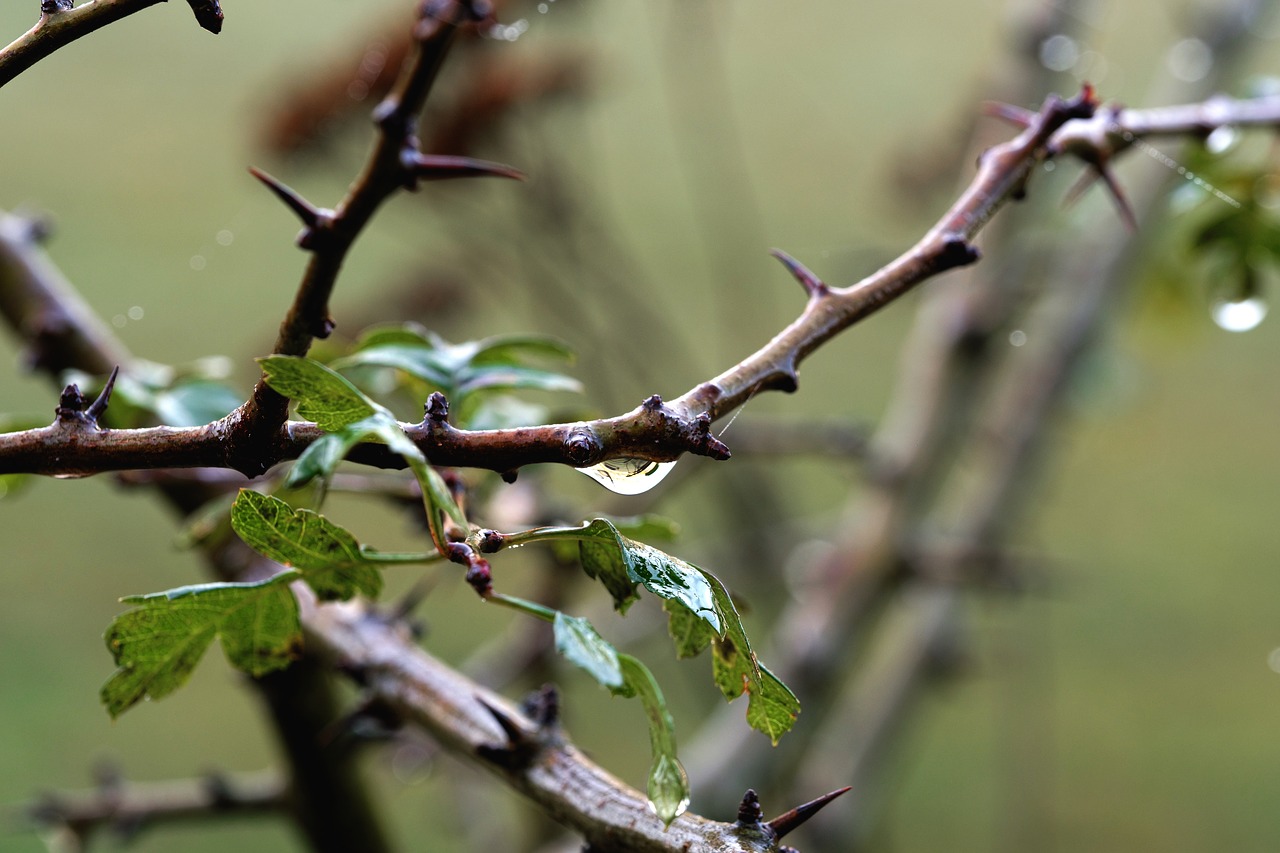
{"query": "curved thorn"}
[(1017, 116), (303, 209), (436, 167), (99, 406), (1086, 179), (812, 285), (516, 736), (789, 821), (1118, 196)]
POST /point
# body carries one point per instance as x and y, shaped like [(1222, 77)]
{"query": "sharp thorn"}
[(208, 14), (812, 285), (1017, 116), (433, 167), (305, 210), (1086, 179), (99, 406), (516, 735), (789, 821), (1118, 196)]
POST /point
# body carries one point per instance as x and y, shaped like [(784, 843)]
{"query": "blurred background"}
[(1113, 687)]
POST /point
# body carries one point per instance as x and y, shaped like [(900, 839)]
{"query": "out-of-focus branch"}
[(128, 808), (60, 24)]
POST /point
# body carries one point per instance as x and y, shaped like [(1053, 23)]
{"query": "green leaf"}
[(159, 643), (772, 707), (582, 646), (332, 562), (690, 633), (415, 359), (668, 785), (194, 402), (322, 395), (620, 563)]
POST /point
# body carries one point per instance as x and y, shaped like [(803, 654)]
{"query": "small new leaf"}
[(322, 395), (158, 644), (332, 562), (668, 784)]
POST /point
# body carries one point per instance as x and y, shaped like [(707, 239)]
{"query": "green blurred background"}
[(1130, 703)]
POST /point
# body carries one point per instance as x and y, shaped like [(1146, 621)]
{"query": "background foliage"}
[(1125, 702)]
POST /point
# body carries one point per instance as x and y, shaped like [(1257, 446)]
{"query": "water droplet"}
[(629, 476), (1190, 60), (198, 262), (1221, 139), (119, 320), (1017, 337), (543, 7), (1239, 315), (224, 237), (1059, 52), (136, 313)]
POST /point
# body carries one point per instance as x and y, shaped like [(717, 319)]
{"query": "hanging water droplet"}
[(629, 476), (1221, 139), (1239, 315)]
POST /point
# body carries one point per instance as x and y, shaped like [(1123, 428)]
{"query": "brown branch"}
[(59, 25), (129, 808), (653, 431), (393, 165)]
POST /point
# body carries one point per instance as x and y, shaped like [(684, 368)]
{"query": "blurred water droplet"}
[(198, 262), (1017, 337), (225, 237), (1059, 53), (119, 320), (1190, 60), (136, 313), (629, 476), (1221, 139), (1239, 315)]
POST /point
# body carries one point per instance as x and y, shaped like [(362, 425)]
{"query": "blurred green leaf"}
[(580, 644), (690, 633), (195, 402), (332, 562), (158, 644)]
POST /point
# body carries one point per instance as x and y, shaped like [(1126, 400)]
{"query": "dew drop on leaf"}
[(1239, 315), (628, 475)]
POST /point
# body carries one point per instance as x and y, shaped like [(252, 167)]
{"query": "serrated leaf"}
[(158, 644), (772, 708), (322, 395), (668, 784), (329, 557), (580, 644), (621, 563)]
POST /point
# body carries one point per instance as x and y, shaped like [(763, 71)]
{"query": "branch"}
[(394, 164), (129, 808), (60, 24)]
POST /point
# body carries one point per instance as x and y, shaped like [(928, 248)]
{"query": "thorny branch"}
[(62, 23), (653, 431)]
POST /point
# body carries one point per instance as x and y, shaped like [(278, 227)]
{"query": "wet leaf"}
[(668, 784), (158, 644), (580, 644), (322, 395), (332, 562)]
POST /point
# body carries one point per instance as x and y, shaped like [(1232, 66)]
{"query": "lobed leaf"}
[(332, 562), (158, 644)]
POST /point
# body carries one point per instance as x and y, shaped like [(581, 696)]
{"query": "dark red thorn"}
[(436, 167), (437, 408), (1017, 116), (99, 406), (208, 14), (70, 404), (812, 285), (786, 823), (310, 215)]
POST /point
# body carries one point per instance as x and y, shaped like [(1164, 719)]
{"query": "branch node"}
[(71, 405), (789, 821), (814, 286), (52, 7), (543, 707), (653, 404), (436, 409), (750, 814), (490, 541), (957, 251), (708, 444), (582, 447)]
